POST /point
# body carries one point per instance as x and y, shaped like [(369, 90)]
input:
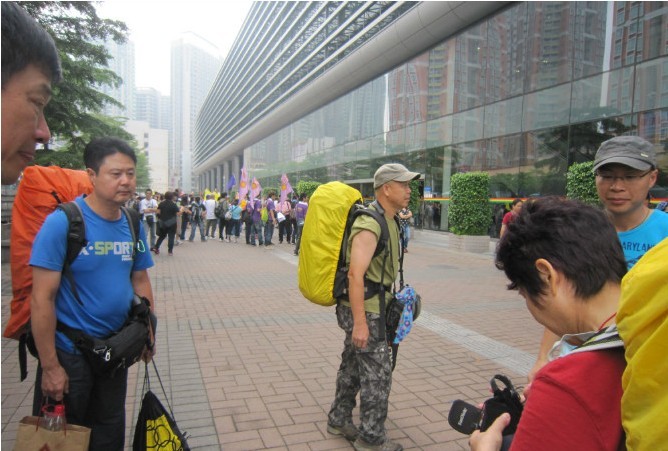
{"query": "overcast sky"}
[(155, 24)]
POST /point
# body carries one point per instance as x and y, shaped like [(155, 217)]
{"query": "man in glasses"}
[(626, 170)]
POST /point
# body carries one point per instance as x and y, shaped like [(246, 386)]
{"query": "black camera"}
[(466, 418)]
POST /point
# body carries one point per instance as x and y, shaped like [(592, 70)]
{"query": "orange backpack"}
[(39, 192)]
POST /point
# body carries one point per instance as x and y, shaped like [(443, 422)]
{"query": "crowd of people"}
[(169, 215)]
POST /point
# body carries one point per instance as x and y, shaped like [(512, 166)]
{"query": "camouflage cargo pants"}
[(367, 371)]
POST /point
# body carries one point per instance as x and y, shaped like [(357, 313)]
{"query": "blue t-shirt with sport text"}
[(101, 271)]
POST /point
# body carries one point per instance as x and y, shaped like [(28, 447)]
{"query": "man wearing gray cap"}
[(366, 359), (626, 170)]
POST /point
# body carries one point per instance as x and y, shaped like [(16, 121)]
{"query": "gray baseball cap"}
[(632, 151), (393, 172)]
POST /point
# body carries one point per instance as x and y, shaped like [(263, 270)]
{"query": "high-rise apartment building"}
[(195, 64), (147, 106), (122, 62)]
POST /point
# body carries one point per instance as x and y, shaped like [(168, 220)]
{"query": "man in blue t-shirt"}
[(625, 169), (106, 276)]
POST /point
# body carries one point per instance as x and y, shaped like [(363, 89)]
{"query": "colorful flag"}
[(285, 188), (231, 183), (255, 188), (243, 184)]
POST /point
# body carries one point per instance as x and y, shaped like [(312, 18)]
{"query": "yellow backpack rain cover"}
[(321, 239), (642, 321)]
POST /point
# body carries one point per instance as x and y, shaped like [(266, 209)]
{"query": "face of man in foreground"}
[(24, 97)]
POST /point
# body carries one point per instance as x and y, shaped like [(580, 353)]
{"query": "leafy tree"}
[(74, 113), (143, 179)]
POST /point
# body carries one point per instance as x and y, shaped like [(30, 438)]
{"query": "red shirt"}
[(508, 218), (574, 404)]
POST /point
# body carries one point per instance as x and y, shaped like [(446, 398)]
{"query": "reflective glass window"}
[(654, 27), (416, 137), (590, 38), (649, 86), (547, 108), (467, 157), (585, 138), (439, 132), (440, 80), (503, 118), (601, 95), (470, 70), (550, 54), (468, 125), (544, 164), (506, 53), (507, 151)]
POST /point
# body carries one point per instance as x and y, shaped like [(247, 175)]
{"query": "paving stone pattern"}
[(248, 363)]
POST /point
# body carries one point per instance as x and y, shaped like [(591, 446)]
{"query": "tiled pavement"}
[(249, 364)]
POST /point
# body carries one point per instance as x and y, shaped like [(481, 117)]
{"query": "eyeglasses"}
[(626, 178)]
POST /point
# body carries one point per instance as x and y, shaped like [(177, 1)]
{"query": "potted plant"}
[(469, 213)]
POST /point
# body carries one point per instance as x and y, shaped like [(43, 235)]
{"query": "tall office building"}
[(154, 108), (122, 62), (195, 64), (147, 106)]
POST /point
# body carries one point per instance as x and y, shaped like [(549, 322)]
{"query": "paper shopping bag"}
[(32, 437)]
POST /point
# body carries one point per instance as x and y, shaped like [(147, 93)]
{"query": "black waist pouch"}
[(121, 349)]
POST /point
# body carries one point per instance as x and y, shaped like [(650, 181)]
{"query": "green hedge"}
[(469, 212), (581, 183), (306, 187)]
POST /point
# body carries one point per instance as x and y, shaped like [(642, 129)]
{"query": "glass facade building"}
[(521, 94)]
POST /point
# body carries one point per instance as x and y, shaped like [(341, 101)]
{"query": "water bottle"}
[(54, 420)]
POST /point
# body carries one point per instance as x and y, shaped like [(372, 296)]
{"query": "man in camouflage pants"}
[(366, 359)]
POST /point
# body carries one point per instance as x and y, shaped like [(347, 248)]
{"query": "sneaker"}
[(349, 431), (221, 239), (361, 445), (170, 254), (155, 250)]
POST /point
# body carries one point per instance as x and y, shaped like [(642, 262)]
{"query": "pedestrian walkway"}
[(249, 364)]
